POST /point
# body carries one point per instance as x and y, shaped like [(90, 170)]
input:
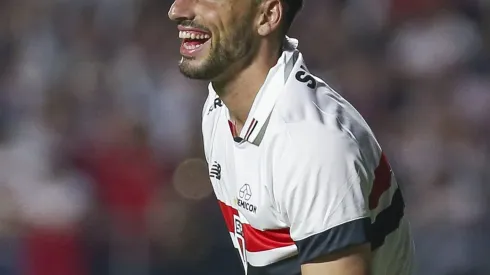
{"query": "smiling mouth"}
[(193, 40)]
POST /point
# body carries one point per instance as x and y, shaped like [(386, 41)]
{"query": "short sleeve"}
[(320, 187)]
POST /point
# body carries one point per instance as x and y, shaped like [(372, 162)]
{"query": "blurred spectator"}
[(431, 45), (126, 176)]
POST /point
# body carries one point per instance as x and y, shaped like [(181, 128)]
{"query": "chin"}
[(197, 69), (193, 71)]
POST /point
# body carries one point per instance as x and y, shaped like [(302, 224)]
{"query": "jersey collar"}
[(266, 98)]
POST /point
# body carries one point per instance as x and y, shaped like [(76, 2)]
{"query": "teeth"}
[(192, 47), (189, 35)]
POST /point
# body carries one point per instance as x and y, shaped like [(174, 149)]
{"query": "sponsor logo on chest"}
[(244, 195)]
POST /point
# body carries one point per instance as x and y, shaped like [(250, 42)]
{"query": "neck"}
[(238, 92)]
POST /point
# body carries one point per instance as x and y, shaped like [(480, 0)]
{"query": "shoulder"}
[(321, 136), (318, 122), (315, 120), (310, 143)]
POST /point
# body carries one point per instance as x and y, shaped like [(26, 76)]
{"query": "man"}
[(302, 183)]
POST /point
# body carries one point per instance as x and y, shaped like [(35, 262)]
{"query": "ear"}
[(270, 16)]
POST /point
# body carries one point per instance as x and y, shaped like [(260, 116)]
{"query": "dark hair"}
[(292, 7)]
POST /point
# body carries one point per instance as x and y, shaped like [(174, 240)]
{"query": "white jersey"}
[(304, 178)]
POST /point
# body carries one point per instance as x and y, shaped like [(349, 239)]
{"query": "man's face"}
[(216, 35)]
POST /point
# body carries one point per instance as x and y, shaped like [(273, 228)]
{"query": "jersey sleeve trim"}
[(348, 234)]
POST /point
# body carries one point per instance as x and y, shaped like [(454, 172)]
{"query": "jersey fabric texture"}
[(304, 178)]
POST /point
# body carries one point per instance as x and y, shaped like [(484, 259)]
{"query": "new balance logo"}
[(215, 171)]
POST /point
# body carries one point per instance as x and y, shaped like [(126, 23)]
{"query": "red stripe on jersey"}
[(232, 128), (228, 213), (256, 240), (382, 181)]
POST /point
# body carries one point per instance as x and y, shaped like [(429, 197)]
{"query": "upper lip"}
[(190, 29)]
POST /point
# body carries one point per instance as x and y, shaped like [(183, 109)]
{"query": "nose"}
[(181, 10)]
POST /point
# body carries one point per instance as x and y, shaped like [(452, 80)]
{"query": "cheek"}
[(213, 16)]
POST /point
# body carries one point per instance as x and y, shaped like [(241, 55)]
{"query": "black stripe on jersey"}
[(348, 234), (252, 129), (289, 266), (356, 232), (387, 220)]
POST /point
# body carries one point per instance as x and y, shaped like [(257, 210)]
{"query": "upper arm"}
[(321, 191), (350, 261)]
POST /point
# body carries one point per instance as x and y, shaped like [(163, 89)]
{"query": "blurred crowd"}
[(101, 168)]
